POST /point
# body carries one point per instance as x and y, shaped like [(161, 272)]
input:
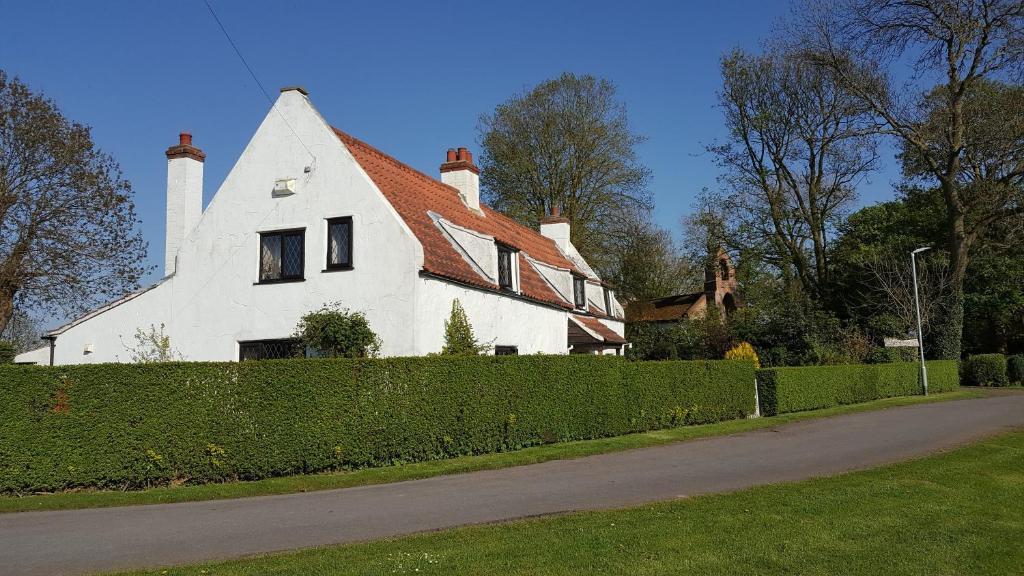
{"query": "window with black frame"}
[(580, 291), (281, 256), (506, 269), (506, 350), (270, 349), (339, 243)]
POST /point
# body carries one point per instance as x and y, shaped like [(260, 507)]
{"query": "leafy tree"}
[(459, 339), (798, 145), (953, 130), (565, 143), (68, 230), (334, 331), (646, 263), (887, 232)]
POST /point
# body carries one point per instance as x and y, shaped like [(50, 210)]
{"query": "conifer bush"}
[(459, 339)]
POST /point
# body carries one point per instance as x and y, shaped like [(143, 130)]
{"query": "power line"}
[(253, 74)]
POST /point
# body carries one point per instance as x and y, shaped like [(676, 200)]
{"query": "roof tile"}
[(413, 194)]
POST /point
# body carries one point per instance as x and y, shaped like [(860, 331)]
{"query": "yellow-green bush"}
[(137, 425), (810, 387), (743, 351)]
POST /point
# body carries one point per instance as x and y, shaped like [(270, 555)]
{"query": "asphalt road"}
[(88, 541)]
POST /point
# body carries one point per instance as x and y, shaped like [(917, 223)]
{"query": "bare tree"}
[(890, 290), (958, 43), (22, 331), (565, 143), (799, 144), (68, 231)]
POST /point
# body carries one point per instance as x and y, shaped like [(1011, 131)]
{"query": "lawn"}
[(956, 513), (309, 482)]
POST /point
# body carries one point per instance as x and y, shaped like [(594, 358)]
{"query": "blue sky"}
[(408, 77)]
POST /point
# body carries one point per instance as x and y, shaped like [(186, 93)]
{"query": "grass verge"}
[(956, 513), (347, 479)]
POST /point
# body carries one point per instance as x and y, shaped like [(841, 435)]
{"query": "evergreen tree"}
[(459, 339)]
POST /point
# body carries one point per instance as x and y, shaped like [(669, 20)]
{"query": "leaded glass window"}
[(580, 291), (339, 243), (281, 255), (505, 269)]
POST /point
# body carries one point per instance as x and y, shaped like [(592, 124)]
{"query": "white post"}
[(917, 307), (757, 401)]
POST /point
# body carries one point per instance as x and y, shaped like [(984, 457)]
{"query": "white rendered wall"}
[(496, 319), (212, 302), (37, 356)]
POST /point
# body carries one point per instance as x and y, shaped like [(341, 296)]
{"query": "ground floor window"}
[(269, 349), (506, 350)]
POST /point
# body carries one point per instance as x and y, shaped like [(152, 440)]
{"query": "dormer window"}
[(506, 268), (579, 284)]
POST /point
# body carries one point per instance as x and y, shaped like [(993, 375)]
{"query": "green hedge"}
[(810, 387), (116, 425), (985, 370), (1015, 368)]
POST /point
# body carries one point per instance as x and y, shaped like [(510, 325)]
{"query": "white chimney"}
[(460, 173), (184, 195), (556, 227)]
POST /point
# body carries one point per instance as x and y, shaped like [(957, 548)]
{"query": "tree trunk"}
[(948, 335), (6, 307)]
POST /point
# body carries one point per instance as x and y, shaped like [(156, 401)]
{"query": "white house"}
[(310, 215)]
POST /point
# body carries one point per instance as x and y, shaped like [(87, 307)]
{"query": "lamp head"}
[(921, 249)]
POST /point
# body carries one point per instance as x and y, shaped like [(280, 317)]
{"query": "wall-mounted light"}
[(284, 187)]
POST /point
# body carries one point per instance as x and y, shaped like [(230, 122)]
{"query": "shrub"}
[(743, 351), (459, 339), (794, 389), (1015, 368), (985, 370), (334, 331), (105, 425), (7, 352), (152, 346)]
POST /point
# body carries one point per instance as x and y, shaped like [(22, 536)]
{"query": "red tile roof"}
[(413, 194), (598, 327), (666, 309)]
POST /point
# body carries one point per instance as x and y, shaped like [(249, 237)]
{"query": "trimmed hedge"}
[(985, 370), (811, 387), (1015, 368), (131, 426)]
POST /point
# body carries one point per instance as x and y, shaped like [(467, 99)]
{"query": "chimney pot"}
[(462, 154), (185, 139), (556, 211), (451, 155)]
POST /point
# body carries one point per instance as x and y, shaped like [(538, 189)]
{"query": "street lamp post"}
[(917, 306)]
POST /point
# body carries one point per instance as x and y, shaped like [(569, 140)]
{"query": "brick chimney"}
[(556, 227), (184, 195), (459, 172)]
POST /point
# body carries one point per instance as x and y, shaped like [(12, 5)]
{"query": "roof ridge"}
[(348, 138)]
